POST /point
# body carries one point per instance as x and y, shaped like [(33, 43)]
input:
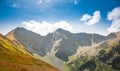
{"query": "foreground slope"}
[(15, 58)]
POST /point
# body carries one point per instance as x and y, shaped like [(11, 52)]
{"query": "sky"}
[(45, 16)]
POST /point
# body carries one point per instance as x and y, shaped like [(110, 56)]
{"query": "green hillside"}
[(14, 58)]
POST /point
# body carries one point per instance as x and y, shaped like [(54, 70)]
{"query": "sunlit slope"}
[(14, 58), (104, 56)]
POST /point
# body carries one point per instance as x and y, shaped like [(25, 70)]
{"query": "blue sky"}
[(69, 13)]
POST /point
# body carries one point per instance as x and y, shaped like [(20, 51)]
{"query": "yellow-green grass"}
[(12, 59)]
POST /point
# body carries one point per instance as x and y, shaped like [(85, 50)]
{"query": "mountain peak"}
[(62, 31), (19, 28)]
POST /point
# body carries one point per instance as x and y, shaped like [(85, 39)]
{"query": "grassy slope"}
[(13, 59)]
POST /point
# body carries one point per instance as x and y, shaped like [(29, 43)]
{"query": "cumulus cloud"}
[(85, 17), (90, 20), (45, 27), (115, 26), (114, 16), (95, 18)]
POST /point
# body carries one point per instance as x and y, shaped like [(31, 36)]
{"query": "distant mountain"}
[(104, 56), (32, 41), (13, 57), (68, 42)]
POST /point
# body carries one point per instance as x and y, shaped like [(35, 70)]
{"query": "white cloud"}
[(115, 26), (45, 27), (90, 20), (114, 16), (14, 5), (85, 17), (95, 18), (75, 2)]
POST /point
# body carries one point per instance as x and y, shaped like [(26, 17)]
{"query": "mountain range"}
[(70, 51)]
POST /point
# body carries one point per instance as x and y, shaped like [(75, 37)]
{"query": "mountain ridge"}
[(59, 45), (45, 43)]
